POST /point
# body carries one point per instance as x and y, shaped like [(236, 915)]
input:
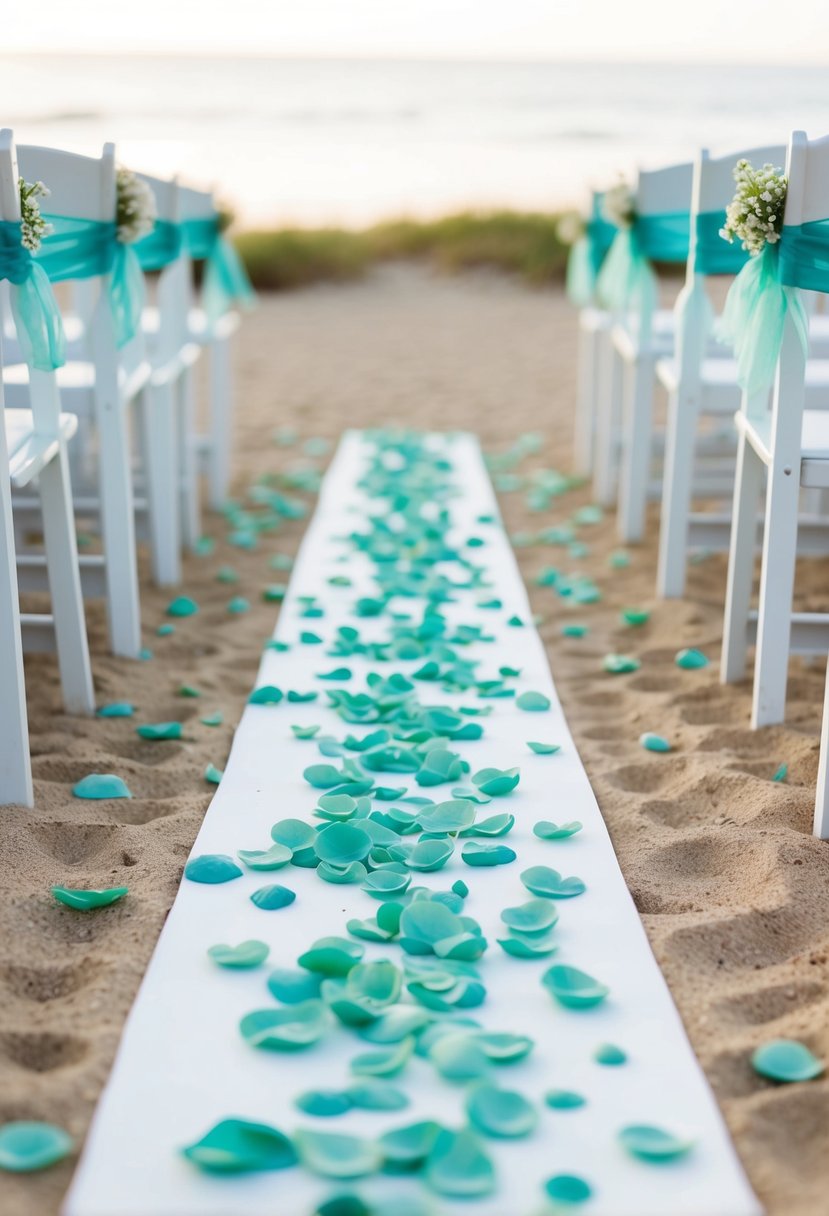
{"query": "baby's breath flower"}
[(755, 214), (619, 205), (569, 227), (33, 227), (135, 210)]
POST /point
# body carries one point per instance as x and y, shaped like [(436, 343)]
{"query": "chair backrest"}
[(197, 204), (713, 190), (167, 193), (714, 175), (81, 187), (661, 191)]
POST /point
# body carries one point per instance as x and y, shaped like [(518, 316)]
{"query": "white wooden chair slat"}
[(30, 451)]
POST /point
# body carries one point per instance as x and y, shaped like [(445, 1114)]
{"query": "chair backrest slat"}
[(661, 191), (81, 187)]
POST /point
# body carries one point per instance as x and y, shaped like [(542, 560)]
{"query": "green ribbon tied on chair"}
[(587, 255), (160, 247), (712, 254), (85, 249), (36, 314), (627, 280), (762, 295), (226, 284)]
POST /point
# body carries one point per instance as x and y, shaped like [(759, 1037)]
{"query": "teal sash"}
[(160, 247), (804, 256), (627, 279), (664, 237), (713, 254), (755, 312), (587, 255), (226, 283), (84, 249), (36, 314)]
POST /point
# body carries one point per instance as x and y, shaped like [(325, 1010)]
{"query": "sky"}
[(745, 30)]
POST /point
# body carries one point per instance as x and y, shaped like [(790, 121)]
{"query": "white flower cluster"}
[(755, 214), (135, 211), (33, 227), (619, 205), (570, 227)]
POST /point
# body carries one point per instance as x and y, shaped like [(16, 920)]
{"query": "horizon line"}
[(575, 60)]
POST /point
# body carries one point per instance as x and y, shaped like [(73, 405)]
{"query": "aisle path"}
[(183, 1064)]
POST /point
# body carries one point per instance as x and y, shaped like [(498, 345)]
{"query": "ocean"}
[(350, 141)]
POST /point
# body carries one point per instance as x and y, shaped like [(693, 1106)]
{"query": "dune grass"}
[(521, 243)]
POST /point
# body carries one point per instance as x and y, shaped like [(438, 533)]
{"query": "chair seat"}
[(627, 335), (814, 443), (594, 320), (29, 451), (719, 381), (198, 326), (76, 382)]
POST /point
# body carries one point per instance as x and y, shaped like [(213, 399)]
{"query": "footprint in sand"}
[(42, 1051)]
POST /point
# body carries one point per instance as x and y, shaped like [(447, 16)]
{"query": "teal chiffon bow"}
[(587, 255), (36, 314), (226, 282), (627, 279), (755, 313), (83, 249)]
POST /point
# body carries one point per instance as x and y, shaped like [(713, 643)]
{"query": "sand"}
[(731, 886)]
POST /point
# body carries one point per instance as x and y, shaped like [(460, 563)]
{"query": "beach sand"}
[(731, 886)]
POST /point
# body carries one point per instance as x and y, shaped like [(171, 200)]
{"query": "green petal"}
[(29, 1146), (235, 1146), (86, 900)]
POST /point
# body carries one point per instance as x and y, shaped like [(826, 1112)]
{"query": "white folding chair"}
[(789, 446), (214, 447), (662, 202), (100, 389)]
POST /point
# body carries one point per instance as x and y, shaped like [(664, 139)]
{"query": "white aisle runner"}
[(183, 1065)]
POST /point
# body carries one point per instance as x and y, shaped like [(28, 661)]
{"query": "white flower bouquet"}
[(570, 227), (755, 214), (619, 205), (33, 227), (135, 209)]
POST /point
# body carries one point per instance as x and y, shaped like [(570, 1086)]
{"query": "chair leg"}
[(160, 444), (821, 825), (608, 420), (585, 424), (15, 767), (220, 422), (680, 436), (65, 586), (188, 465), (636, 451), (118, 530), (748, 484), (774, 621)]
